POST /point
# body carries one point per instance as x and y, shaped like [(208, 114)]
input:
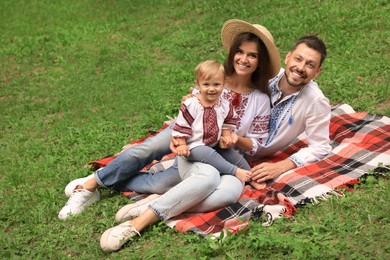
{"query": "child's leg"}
[(234, 157), (206, 154)]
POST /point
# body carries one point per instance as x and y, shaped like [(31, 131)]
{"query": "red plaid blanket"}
[(360, 143)]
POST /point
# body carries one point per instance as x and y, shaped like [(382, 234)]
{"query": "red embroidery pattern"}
[(230, 120), (186, 114), (242, 102), (182, 129), (210, 126), (236, 100), (260, 124)]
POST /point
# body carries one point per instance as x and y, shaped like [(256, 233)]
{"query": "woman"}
[(253, 59)]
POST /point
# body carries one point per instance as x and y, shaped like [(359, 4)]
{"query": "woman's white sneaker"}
[(78, 200), (131, 211), (114, 238)]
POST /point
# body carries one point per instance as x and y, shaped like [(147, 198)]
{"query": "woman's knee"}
[(210, 175), (230, 189)]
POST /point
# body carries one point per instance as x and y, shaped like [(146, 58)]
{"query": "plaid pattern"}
[(360, 142)]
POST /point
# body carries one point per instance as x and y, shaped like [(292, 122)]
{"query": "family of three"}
[(245, 110)]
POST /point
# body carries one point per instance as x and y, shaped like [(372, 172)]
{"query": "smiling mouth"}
[(297, 74), (243, 65)]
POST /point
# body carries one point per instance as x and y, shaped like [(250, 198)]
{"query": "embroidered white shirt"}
[(200, 127), (252, 113), (306, 113)]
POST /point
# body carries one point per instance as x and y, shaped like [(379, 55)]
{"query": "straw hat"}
[(234, 27)]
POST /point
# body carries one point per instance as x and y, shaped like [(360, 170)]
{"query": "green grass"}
[(79, 79)]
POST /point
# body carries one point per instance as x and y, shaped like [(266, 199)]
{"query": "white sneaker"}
[(79, 199), (114, 238), (131, 211), (72, 185)]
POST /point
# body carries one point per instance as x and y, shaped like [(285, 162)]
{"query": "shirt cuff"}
[(296, 160)]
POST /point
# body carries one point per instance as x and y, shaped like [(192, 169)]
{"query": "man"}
[(298, 106)]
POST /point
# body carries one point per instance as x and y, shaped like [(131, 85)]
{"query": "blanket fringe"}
[(325, 196)]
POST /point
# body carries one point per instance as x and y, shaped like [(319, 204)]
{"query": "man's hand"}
[(268, 171)]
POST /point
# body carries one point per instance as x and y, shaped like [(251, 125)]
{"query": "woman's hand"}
[(173, 144)]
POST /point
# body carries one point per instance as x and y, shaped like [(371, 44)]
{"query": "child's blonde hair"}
[(208, 69)]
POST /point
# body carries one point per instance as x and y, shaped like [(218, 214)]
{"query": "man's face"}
[(302, 65)]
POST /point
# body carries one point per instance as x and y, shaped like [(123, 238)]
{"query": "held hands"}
[(182, 150), (227, 142)]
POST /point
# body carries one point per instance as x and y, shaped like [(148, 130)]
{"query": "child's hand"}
[(182, 150), (243, 175)]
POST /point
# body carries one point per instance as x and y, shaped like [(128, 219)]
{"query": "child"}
[(203, 119)]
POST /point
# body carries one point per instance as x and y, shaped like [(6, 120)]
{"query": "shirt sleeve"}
[(231, 119), (258, 132), (317, 134), (183, 123)]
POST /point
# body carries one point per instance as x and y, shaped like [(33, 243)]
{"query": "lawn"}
[(79, 79)]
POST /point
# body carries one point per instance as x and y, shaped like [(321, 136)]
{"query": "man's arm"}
[(317, 134)]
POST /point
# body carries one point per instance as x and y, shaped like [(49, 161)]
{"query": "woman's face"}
[(246, 59)]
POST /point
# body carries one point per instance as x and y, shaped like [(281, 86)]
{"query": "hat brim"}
[(234, 27)]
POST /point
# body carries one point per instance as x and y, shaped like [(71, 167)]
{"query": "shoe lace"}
[(126, 230), (76, 196)]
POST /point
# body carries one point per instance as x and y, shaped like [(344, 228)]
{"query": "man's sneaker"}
[(79, 199), (131, 211), (114, 238), (72, 185)]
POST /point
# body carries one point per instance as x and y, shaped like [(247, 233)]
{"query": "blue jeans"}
[(200, 188), (130, 162)]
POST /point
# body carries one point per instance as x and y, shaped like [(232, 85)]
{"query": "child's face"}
[(211, 89)]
